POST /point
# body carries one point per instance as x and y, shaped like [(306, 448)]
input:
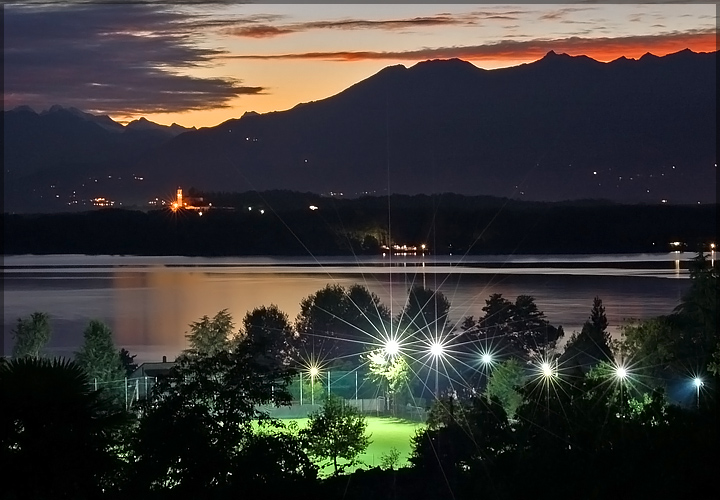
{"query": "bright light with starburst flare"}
[(621, 372), (697, 382), (436, 349), (486, 358), (314, 371), (392, 347), (546, 369)]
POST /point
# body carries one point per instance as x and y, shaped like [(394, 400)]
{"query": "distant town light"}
[(313, 207)]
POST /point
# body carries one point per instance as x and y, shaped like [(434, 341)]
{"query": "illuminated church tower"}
[(179, 200)]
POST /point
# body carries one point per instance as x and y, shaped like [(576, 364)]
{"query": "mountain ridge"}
[(562, 127)]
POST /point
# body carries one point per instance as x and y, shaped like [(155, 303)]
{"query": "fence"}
[(308, 393)]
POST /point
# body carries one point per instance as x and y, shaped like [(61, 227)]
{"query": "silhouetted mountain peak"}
[(24, 109), (144, 124), (647, 56)]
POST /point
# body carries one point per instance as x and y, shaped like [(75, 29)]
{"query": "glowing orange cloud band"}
[(601, 49)]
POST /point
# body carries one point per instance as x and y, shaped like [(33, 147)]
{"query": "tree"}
[(593, 344), (268, 331), (127, 361), (503, 384), (657, 347), (425, 311), (98, 355), (335, 432), (199, 422), (389, 372), (210, 336), (58, 437), (335, 314), (463, 435), (530, 331), (495, 325), (518, 328), (31, 335)]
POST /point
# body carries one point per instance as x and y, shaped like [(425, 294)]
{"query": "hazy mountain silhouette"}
[(559, 128)]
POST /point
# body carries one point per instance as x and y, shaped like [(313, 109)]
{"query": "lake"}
[(150, 301)]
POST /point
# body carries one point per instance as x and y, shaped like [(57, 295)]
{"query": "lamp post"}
[(698, 383), (313, 373), (436, 350), (547, 373)]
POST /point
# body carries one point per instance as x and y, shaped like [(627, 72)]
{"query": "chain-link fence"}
[(308, 394)]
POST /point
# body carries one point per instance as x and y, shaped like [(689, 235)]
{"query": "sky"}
[(200, 65)]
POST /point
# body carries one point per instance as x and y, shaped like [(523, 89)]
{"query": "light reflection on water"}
[(149, 301)]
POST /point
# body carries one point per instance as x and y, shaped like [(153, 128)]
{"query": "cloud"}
[(561, 14), (443, 19), (601, 48), (111, 59)]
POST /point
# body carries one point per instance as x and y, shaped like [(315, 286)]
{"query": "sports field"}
[(385, 434)]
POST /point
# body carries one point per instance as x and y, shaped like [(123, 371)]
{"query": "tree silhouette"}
[(209, 336), (336, 431), (31, 334), (99, 357), (59, 438)]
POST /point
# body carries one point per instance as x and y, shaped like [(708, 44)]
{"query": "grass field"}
[(385, 434)]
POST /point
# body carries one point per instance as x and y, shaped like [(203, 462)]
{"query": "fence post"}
[(146, 387), (328, 384), (96, 383), (126, 395), (137, 390), (301, 401), (356, 392)]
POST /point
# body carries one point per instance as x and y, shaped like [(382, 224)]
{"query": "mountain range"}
[(560, 128)]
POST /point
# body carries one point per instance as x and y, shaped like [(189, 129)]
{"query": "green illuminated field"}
[(385, 434)]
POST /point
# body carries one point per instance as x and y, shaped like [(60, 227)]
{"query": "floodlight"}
[(486, 358), (314, 371), (392, 347), (621, 372), (436, 349), (546, 369), (697, 382)]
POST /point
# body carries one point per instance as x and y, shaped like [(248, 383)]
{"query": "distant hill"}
[(561, 128), (65, 150)]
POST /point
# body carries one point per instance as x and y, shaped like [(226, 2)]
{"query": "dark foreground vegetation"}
[(281, 223), (592, 421)]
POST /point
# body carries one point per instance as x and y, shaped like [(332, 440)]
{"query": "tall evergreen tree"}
[(593, 344), (31, 335), (209, 336), (99, 357)]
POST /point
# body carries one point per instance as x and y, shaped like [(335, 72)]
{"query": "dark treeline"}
[(446, 223)]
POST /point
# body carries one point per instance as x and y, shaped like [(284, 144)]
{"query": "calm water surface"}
[(149, 301)]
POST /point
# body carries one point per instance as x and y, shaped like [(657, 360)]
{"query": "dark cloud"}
[(699, 40), (264, 31), (561, 14), (111, 59)]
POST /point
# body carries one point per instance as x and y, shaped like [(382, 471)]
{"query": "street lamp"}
[(486, 359), (313, 373), (698, 383), (436, 350)]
